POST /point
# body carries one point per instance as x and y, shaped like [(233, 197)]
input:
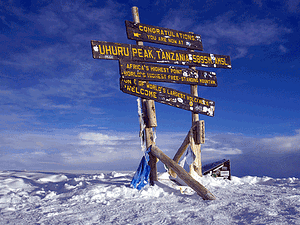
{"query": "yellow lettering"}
[(101, 52), (140, 52), (150, 93), (172, 41), (120, 51), (176, 71), (190, 79), (163, 55), (173, 77), (127, 81), (130, 74), (209, 61), (203, 81), (202, 59), (145, 53), (114, 50), (172, 56), (194, 58), (150, 54), (135, 67), (224, 62), (107, 50), (158, 54), (134, 51), (167, 56), (151, 37), (153, 94), (126, 53), (159, 69), (182, 57), (128, 88)]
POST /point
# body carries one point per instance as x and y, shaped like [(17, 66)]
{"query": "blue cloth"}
[(141, 176)]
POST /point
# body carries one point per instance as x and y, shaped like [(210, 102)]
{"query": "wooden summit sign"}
[(137, 68), (167, 96), (117, 51), (163, 73), (165, 36)]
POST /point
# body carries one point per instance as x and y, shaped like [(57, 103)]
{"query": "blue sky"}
[(63, 110)]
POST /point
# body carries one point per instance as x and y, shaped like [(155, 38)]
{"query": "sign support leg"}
[(149, 111), (196, 166), (180, 152), (188, 179)]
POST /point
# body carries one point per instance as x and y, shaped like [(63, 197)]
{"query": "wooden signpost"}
[(165, 36), (149, 114), (137, 68), (169, 74)]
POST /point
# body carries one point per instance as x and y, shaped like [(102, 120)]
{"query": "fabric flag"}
[(141, 176), (189, 157)]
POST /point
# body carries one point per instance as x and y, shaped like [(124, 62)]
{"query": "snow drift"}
[(106, 198)]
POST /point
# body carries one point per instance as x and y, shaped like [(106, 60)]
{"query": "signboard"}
[(159, 35), (116, 51), (163, 73), (167, 96)]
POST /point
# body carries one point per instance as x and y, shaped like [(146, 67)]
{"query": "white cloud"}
[(59, 37), (241, 52), (43, 59), (91, 138), (227, 28), (176, 23), (282, 144), (69, 149), (241, 35), (53, 37), (293, 5), (283, 49), (246, 33), (52, 22), (258, 2)]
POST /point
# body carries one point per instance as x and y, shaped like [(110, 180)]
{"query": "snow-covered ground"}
[(106, 198)]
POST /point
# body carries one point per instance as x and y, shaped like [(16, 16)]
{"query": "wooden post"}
[(196, 166), (180, 152), (150, 107), (149, 111), (195, 185)]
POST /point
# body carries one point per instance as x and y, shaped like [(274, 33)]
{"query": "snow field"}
[(66, 198)]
